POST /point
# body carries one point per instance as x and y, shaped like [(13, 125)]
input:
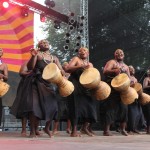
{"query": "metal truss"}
[(84, 12)]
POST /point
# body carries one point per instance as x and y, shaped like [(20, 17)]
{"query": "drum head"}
[(50, 71), (89, 76)]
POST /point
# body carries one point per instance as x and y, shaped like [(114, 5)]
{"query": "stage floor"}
[(62, 141)]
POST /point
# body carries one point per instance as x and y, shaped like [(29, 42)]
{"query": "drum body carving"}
[(138, 88), (102, 92), (128, 96), (4, 87), (144, 98), (90, 78), (52, 74)]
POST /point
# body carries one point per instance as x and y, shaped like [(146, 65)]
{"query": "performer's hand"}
[(1, 76), (117, 71), (34, 52)]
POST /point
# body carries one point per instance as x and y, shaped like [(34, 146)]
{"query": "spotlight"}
[(78, 37), (77, 44), (42, 18), (66, 47), (71, 27), (67, 34), (81, 24), (72, 21), (5, 4), (67, 41), (49, 3), (82, 17), (57, 24), (81, 31), (24, 11), (76, 50), (72, 14)]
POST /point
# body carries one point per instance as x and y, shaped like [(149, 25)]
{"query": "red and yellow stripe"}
[(16, 36)]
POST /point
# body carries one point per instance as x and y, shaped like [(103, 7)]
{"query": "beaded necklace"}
[(45, 60)]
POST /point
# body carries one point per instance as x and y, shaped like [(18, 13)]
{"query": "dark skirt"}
[(38, 97), (82, 107), (135, 116), (113, 109)]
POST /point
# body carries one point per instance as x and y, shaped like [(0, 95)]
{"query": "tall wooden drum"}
[(121, 82), (90, 78), (4, 87), (52, 74), (102, 92), (138, 88), (144, 98), (129, 96)]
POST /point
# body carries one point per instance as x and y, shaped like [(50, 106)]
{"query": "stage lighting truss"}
[(24, 11)]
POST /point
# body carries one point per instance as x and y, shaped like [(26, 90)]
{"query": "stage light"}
[(78, 37), (49, 3), (66, 47), (57, 24), (42, 18), (71, 14), (5, 4), (25, 11), (72, 21), (77, 44), (82, 17), (67, 34), (71, 27), (67, 41)]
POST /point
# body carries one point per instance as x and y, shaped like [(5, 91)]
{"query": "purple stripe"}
[(18, 51), (7, 32), (23, 26), (12, 61), (19, 41)]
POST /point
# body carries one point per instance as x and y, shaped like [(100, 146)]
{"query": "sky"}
[(38, 34)]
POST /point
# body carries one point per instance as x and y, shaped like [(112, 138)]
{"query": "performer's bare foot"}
[(131, 133), (91, 131), (47, 132), (23, 134), (123, 132), (68, 131), (37, 133), (75, 134), (136, 131), (55, 132), (86, 131), (32, 135), (107, 133)]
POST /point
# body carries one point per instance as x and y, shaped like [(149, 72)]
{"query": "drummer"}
[(82, 107), (42, 94), (146, 108), (3, 77), (114, 109)]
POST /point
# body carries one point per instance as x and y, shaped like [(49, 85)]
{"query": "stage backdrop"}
[(16, 39), (120, 24)]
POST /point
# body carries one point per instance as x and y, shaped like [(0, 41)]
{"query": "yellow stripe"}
[(17, 56), (14, 68)]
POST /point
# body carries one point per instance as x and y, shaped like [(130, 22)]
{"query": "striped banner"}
[(16, 36)]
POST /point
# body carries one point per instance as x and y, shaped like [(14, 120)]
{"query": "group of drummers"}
[(46, 86)]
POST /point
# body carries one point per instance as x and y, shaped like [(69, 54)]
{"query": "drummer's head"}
[(148, 72), (1, 52), (83, 52), (119, 54), (43, 45), (132, 70)]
